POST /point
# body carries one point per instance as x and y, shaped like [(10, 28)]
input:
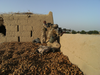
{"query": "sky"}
[(70, 14)]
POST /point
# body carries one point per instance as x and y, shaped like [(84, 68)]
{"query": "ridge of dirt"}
[(18, 58)]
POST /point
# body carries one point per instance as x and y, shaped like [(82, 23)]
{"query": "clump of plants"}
[(74, 32), (93, 32), (83, 32)]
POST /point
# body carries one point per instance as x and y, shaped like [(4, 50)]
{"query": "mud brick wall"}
[(24, 27)]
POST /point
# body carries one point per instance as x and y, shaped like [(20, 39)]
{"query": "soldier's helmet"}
[(55, 26), (44, 22)]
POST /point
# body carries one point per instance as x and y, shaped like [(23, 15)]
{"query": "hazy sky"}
[(70, 14)]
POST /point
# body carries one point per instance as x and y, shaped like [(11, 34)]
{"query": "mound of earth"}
[(18, 58)]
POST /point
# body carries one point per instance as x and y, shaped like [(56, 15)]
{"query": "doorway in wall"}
[(18, 39)]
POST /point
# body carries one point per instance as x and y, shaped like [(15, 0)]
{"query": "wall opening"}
[(31, 33), (17, 28), (2, 27), (18, 39), (3, 30)]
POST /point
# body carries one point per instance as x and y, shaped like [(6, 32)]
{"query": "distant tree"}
[(73, 32), (83, 32), (95, 32), (68, 32), (69, 29), (90, 32), (64, 29)]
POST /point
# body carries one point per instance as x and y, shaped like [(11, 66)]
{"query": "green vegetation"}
[(74, 32), (90, 32), (93, 32), (69, 31), (83, 32), (64, 29)]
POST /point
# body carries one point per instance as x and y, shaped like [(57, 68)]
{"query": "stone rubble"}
[(19, 58)]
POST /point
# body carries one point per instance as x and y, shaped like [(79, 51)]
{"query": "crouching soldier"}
[(52, 38)]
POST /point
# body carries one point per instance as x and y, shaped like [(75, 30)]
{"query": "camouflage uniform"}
[(43, 49), (48, 31), (43, 36), (52, 38)]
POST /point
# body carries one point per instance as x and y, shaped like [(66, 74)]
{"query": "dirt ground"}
[(18, 58)]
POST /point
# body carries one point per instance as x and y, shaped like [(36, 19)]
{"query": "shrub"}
[(82, 32), (68, 32), (95, 32), (90, 32), (64, 29), (73, 32)]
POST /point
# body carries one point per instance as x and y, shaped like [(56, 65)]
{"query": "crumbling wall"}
[(24, 27)]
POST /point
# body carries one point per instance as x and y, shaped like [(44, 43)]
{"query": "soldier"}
[(52, 38), (43, 36), (48, 29)]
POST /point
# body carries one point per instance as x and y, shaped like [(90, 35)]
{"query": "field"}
[(82, 50)]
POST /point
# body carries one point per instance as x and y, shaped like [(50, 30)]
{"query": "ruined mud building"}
[(22, 27)]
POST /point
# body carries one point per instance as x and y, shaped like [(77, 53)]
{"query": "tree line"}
[(69, 31)]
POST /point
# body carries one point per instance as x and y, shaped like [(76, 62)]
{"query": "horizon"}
[(75, 15)]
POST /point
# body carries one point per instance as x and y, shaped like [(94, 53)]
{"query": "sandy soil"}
[(82, 50), (18, 58)]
